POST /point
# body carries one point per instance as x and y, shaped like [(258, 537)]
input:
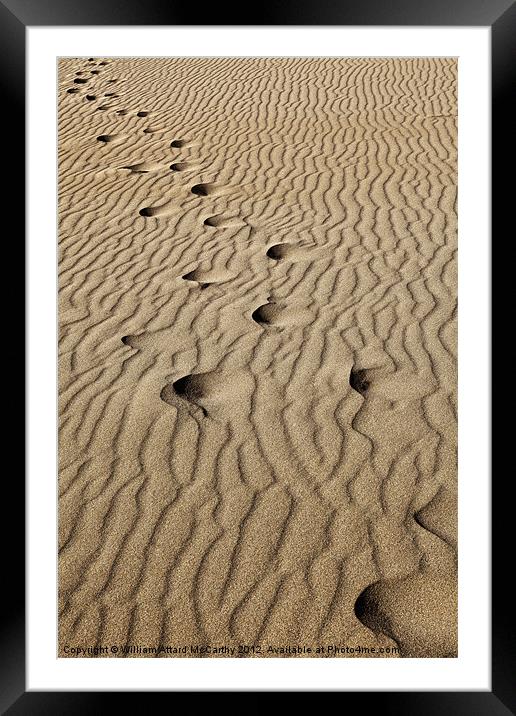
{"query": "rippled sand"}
[(258, 295)]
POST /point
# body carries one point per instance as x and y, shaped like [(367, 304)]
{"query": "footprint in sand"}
[(219, 221), (279, 251), (163, 210), (278, 315), (206, 278), (133, 341), (72, 90), (142, 113), (107, 138), (267, 314), (80, 81), (180, 143), (211, 189), (439, 516), (182, 166), (144, 168), (203, 189), (214, 391), (419, 612), (90, 97), (358, 380)]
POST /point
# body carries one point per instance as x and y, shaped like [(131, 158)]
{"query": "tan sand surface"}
[(257, 355)]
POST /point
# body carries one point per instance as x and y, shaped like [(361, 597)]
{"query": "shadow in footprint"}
[(142, 114), (278, 251), (221, 222), (190, 389), (267, 314), (206, 278), (143, 168), (106, 138), (204, 189), (282, 316), (133, 341), (358, 381), (90, 97), (181, 166), (419, 612), (155, 210), (72, 90), (80, 81), (147, 211), (215, 392)]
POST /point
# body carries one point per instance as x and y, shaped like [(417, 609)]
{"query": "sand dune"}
[(257, 355)]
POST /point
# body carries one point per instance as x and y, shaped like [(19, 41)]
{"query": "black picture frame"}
[(15, 17)]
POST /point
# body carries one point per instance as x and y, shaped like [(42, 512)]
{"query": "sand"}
[(257, 357)]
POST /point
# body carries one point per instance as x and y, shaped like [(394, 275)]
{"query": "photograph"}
[(257, 357)]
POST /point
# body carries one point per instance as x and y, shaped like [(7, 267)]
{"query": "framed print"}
[(258, 335)]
